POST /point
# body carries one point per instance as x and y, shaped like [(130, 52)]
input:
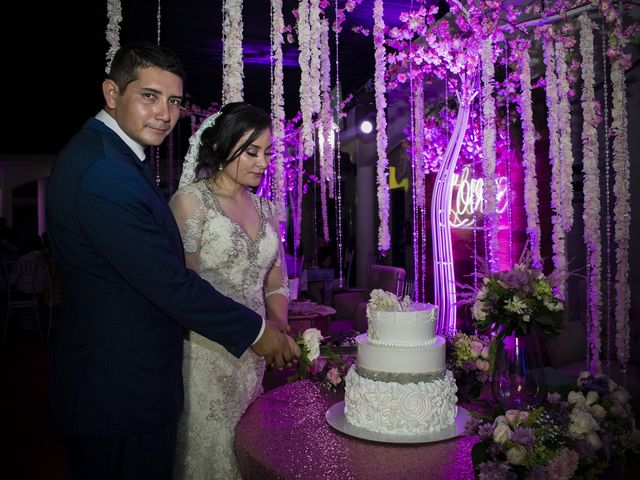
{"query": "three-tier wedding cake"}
[(400, 384)]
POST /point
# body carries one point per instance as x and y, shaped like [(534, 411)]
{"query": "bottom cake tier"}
[(402, 409)]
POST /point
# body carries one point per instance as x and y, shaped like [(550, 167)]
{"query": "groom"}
[(115, 374)]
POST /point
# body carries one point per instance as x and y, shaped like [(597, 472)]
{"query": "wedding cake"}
[(400, 384)]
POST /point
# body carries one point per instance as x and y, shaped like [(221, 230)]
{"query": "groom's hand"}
[(277, 348)]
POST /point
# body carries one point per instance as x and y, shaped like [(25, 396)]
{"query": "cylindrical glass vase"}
[(518, 376)]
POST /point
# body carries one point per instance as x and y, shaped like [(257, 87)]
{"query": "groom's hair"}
[(136, 55), (221, 138)]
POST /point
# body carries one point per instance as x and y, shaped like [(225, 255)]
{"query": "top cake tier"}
[(402, 328)]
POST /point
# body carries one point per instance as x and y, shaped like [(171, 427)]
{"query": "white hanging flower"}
[(232, 64), (558, 234), (277, 107), (489, 149), (114, 14), (592, 192), (529, 161), (384, 240), (621, 207)]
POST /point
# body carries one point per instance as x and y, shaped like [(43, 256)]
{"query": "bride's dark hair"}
[(219, 140)]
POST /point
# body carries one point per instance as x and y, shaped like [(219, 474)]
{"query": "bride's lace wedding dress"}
[(218, 386)]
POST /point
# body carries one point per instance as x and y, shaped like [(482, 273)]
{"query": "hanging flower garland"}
[(381, 128), (418, 142), (489, 148), (621, 168), (529, 161), (557, 235), (277, 107), (326, 114), (315, 34), (592, 194), (325, 129), (564, 133), (306, 94), (232, 64), (299, 190), (114, 14)]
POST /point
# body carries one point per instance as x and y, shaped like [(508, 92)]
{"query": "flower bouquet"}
[(515, 301), (590, 434), (468, 359), (319, 361)]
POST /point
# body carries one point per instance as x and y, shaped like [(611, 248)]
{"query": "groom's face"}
[(248, 169), (149, 107)]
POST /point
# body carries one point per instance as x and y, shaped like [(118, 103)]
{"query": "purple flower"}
[(493, 471), (485, 431), (471, 427), (469, 366), (482, 376), (554, 398), (523, 436), (564, 465), (495, 449)]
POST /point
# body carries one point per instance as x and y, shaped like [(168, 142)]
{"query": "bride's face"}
[(248, 168)]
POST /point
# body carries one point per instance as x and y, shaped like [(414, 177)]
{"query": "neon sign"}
[(466, 204)]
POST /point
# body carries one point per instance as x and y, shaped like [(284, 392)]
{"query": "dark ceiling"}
[(55, 62)]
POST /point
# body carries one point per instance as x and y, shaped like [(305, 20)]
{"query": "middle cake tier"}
[(401, 364)]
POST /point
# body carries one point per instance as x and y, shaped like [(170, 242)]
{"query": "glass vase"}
[(518, 377)]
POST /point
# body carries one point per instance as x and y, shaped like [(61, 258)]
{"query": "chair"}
[(23, 288), (49, 298), (294, 272), (351, 306), (407, 288)]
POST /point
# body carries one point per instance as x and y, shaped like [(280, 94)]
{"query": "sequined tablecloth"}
[(284, 435)]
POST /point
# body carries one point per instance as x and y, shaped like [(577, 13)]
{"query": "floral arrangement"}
[(589, 434), (516, 300), (468, 359), (318, 360), (383, 300)]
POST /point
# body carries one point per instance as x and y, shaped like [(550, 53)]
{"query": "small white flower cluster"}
[(311, 338), (588, 411), (383, 300)]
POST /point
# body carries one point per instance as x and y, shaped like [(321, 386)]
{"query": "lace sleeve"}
[(277, 281), (188, 209)]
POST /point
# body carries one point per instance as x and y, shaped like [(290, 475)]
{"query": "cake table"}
[(284, 435)]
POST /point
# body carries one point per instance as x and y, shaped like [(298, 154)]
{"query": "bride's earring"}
[(220, 167)]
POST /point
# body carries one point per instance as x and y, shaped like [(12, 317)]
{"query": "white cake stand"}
[(336, 418)]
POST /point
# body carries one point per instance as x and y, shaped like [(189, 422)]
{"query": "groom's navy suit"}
[(126, 294)]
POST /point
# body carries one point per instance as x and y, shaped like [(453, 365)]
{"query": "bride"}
[(231, 238)]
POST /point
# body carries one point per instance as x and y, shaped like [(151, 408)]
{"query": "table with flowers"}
[(284, 435)]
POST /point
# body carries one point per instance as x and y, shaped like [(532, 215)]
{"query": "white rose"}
[(622, 396), (581, 423), (582, 377), (482, 365), (516, 455), (485, 353), (594, 440), (312, 337), (478, 311), (500, 419), (618, 409), (516, 417), (598, 412), (592, 397), (501, 433), (476, 347), (576, 398)]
